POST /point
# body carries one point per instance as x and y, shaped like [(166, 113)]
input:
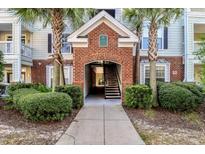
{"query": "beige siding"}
[(40, 43)]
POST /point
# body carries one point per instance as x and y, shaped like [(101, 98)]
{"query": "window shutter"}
[(141, 43), (49, 43), (165, 37)]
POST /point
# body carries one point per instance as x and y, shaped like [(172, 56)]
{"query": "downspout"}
[(185, 44), (134, 62)]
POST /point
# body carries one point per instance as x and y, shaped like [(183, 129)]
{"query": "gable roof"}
[(102, 17)]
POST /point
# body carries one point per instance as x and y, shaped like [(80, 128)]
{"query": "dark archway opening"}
[(103, 78)]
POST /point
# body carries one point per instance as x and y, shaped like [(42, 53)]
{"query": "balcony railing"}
[(26, 51), (6, 47)]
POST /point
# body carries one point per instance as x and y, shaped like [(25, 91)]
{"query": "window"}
[(68, 73), (160, 72), (23, 38), (109, 11), (103, 40), (66, 46), (145, 38)]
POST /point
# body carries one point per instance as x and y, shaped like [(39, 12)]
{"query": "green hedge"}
[(45, 106), (176, 98), (74, 92), (138, 96), (37, 86), (195, 89), (17, 94)]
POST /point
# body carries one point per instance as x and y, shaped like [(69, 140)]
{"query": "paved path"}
[(101, 122)]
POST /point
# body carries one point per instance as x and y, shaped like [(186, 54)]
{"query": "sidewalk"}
[(101, 122)]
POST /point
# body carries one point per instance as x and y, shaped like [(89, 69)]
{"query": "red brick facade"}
[(38, 70), (113, 53), (92, 53), (176, 67)]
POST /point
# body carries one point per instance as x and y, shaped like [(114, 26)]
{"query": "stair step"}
[(111, 87), (112, 97), (112, 90), (112, 94)]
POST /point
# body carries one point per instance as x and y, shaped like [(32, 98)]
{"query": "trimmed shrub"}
[(74, 92), (196, 90), (138, 96), (45, 106), (17, 94), (176, 98), (37, 86)]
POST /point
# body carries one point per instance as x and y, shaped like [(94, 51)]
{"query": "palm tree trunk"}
[(152, 55), (57, 28), (136, 60), (62, 77)]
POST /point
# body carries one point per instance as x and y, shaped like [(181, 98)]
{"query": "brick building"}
[(99, 55)]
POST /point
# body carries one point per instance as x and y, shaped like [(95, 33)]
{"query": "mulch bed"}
[(15, 129), (2, 103), (171, 126)]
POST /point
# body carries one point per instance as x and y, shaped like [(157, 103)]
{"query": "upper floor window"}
[(23, 38), (145, 38), (66, 46), (109, 11), (103, 40)]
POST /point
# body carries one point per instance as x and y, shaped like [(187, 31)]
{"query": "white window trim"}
[(107, 40), (143, 49), (52, 51), (166, 74), (48, 74)]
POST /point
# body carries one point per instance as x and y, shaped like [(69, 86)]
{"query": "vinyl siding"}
[(175, 40), (40, 43)]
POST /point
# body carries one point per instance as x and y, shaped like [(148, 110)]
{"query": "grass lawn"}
[(15, 129), (159, 126)]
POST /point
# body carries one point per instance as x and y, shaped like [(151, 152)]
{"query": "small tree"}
[(1, 66), (157, 17), (201, 56)]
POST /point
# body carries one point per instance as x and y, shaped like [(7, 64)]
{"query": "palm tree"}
[(157, 17), (55, 17), (136, 18)]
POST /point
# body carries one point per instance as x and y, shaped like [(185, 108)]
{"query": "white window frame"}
[(48, 74), (166, 74), (63, 53), (162, 36)]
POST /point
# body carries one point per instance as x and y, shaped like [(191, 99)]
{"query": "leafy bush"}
[(138, 96), (17, 94), (74, 92), (176, 98), (45, 106), (196, 90), (38, 86)]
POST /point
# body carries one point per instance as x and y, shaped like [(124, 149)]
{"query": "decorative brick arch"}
[(113, 53)]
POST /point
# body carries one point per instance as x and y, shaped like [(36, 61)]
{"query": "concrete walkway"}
[(101, 122)]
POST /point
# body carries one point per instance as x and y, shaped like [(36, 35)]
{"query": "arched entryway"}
[(103, 79), (89, 49)]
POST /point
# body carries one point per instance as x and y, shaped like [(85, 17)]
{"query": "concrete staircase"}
[(112, 89)]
